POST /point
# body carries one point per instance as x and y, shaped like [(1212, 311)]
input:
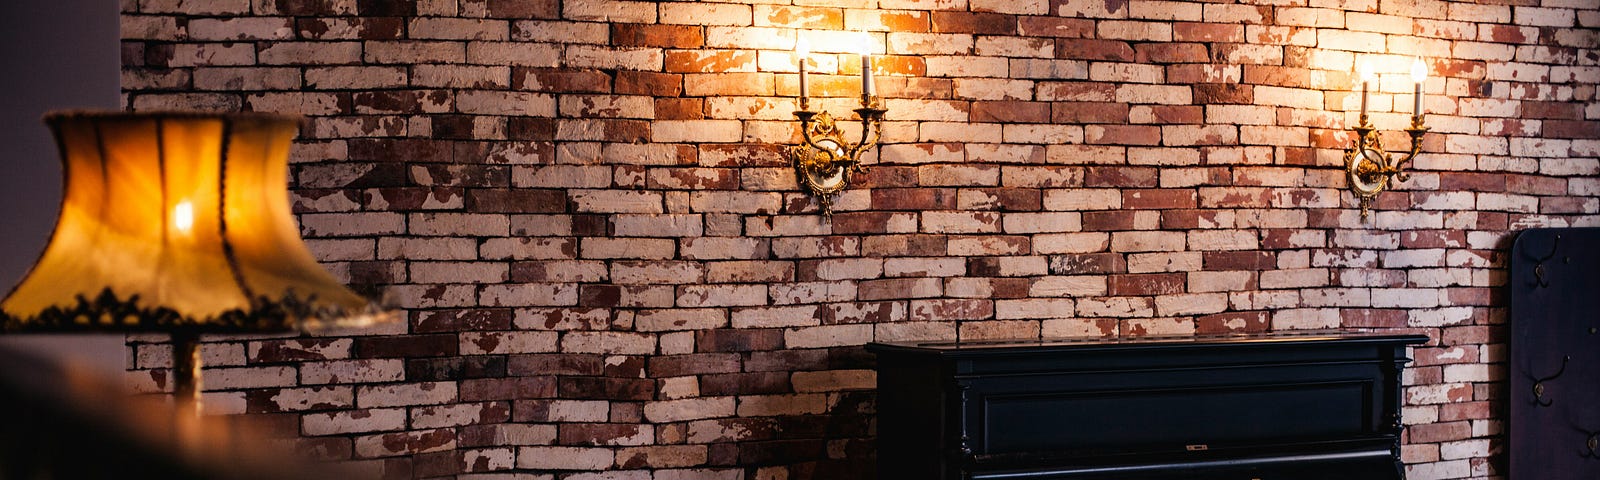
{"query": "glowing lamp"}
[(179, 223)]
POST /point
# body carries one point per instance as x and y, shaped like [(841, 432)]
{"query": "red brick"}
[(439, 369), (1178, 114), (861, 222), (907, 65), (1147, 284), (1571, 129), (1171, 53), (600, 388), (1434, 239), (1088, 112), (1466, 411), (1241, 260), (547, 9), (814, 18), (976, 23), (669, 36), (599, 433), (1088, 264), (707, 61), (1208, 32), (482, 389), (1277, 76), (406, 346), (407, 150), (914, 199), (1439, 432), (297, 350), (904, 245), (1108, 220), (1011, 112), (1012, 199), (1121, 177), (561, 80), (1126, 135), (1189, 219), (695, 364), (1232, 323), (554, 364), (1158, 199), (1036, 26), (1224, 93), (753, 383), (1472, 181), (649, 83), (1088, 49), (1372, 318), (516, 201), (726, 340)]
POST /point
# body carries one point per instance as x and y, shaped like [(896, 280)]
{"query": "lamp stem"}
[(186, 382)]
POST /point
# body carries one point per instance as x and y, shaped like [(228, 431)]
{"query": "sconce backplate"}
[(823, 165), (1368, 170)]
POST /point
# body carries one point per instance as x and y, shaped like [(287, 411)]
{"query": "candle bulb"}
[(802, 49), (1419, 74), (1367, 76), (868, 88)]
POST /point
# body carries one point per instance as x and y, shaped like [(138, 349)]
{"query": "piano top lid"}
[(1306, 337)]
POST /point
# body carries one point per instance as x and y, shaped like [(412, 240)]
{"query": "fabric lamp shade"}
[(178, 221)]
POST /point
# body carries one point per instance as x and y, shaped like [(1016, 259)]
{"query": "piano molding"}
[(1555, 354)]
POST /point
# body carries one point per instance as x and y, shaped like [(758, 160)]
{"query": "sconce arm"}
[(810, 118), (1417, 131), (871, 129)]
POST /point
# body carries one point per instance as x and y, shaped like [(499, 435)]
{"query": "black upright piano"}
[(1296, 406)]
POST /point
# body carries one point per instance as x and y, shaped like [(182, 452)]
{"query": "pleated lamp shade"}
[(178, 221)]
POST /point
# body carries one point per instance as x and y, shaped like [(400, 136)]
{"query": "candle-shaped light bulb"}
[(802, 50), (183, 216), (868, 87), (1419, 74), (1367, 75)]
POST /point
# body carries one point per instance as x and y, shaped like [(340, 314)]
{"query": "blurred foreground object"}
[(62, 422)]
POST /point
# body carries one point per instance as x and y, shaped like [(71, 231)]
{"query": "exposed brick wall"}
[(606, 264)]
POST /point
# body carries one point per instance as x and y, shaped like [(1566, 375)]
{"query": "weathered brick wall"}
[(607, 266)]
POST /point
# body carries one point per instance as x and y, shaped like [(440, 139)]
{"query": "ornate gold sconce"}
[(825, 161), (1369, 167)]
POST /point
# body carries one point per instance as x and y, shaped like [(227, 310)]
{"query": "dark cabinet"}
[(1283, 406)]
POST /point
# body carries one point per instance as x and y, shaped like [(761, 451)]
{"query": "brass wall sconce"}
[(1369, 167), (825, 161)]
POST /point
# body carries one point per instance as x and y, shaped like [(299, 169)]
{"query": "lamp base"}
[(186, 381)]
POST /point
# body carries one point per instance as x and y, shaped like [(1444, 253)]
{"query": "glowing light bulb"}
[(1419, 74), (1366, 72), (1419, 71), (802, 48), (183, 216)]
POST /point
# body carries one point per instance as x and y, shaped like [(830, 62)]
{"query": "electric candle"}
[(1419, 74), (868, 88), (802, 49), (1367, 75)]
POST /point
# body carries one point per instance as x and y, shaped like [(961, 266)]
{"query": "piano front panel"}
[(1171, 419)]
